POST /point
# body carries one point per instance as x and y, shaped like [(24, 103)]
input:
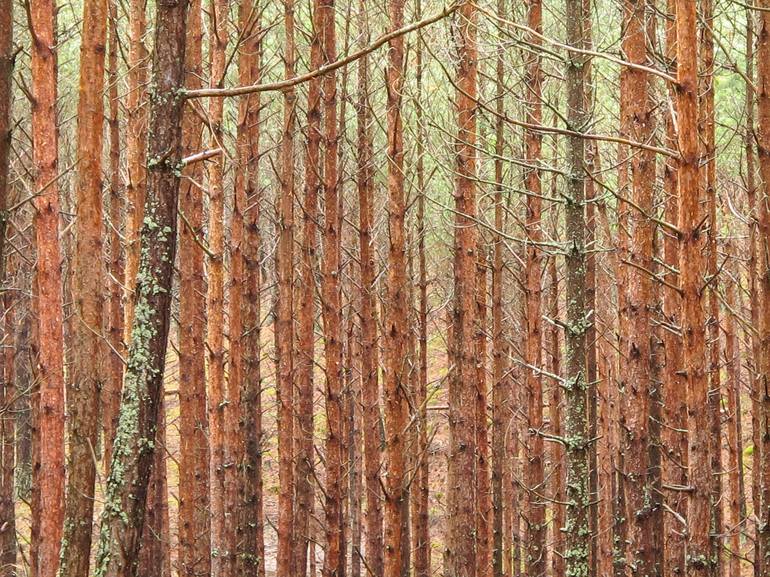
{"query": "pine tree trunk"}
[(763, 149), (136, 150), (194, 474), (732, 357), (284, 329), (706, 129), (483, 481), (460, 557), (133, 451), (691, 267), (48, 293), (395, 384), (154, 554), (674, 390), (223, 559), (577, 532), (500, 392), (421, 486), (751, 265), (113, 381), (307, 309), (331, 309), (248, 198), (536, 527), (637, 372), (89, 359), (370, 394)]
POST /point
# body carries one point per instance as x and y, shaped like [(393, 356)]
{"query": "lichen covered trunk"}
[(577, 444), (122, 520)]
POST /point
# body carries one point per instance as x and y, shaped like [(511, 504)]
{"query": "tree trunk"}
[(133, 451), (535, 515), (763, 146), (732, 357), (248, 198), (136, 150), (219, 407), (331, 309), (370, 394), (306, 331), (693, 317), (396, 334), (637, 371), (577, 532), (420, 492), (284, 328), (500, 392), (706, 129), (50, 411), (460, 557), (194, 474), (88, 370), (674, 390), (483, 481), (113, 381)]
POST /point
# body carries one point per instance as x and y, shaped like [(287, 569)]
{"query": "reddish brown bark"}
[(535, 515), (306, 329), (136, 153), (674, 390), (331, 308), (395, 385), (706, 129), (219, 412), (763, 149), (50, 410), (732, 356), (88, 370), (691, 267), (460, 557), (194, 475), (753, 291), (636, 370), (248, 197), (370, 395), (500, 391), (113, 381), (284, 329), (420, 487), (483, 481)]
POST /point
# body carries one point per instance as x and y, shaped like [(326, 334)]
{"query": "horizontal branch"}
[(292, 82), (200, 156)]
